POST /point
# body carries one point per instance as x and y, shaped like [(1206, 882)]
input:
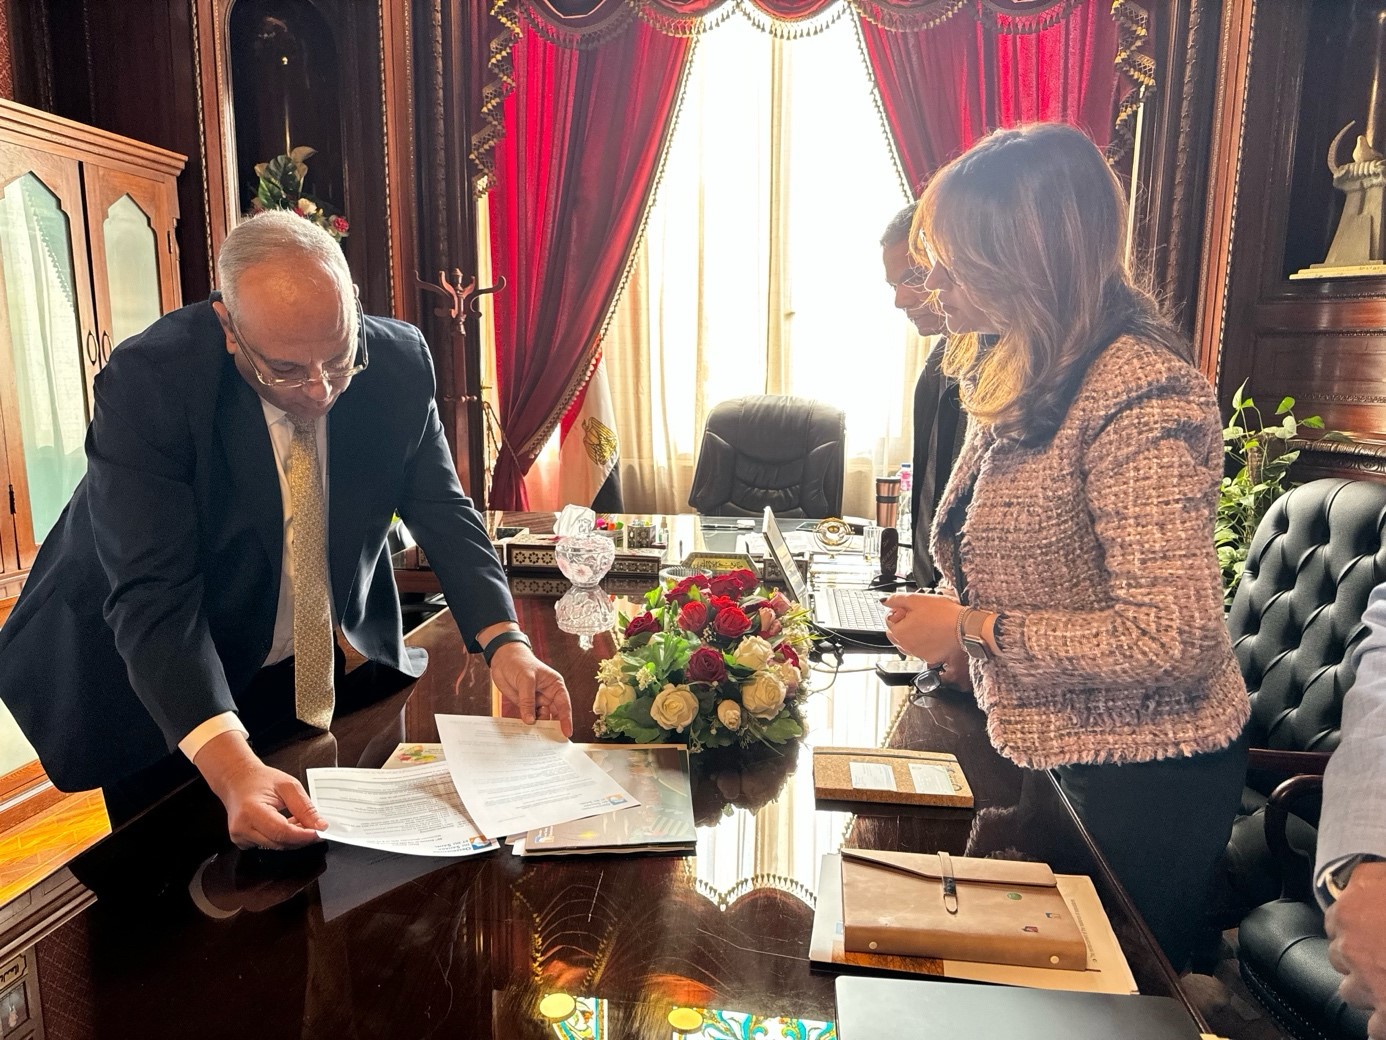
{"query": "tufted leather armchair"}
[(766, 450), (1295, 621)]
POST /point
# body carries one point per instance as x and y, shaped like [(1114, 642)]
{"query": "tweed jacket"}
[(1098, 547)]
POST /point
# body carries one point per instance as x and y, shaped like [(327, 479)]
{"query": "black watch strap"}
[(510, 635)]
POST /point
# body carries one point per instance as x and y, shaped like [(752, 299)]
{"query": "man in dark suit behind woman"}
[(939, 425), (160, 612)]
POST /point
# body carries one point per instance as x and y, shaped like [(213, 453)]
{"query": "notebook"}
[(854, 613), (907, 1009)]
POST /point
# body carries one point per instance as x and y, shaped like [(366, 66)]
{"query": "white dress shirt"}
[(281, 434)]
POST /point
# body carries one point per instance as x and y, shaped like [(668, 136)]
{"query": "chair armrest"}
[(1294, 870), (1291, 763)]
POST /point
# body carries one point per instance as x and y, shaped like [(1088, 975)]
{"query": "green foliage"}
[(1261, 456), (281, 187)]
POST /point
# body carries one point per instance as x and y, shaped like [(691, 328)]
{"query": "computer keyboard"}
[(857, 608)]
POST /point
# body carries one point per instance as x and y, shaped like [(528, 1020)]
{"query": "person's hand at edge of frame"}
[(533, 687), (1356, 928), (257, 797)]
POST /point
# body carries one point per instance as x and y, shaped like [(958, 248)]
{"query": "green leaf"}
[(1237, 397), (781, 728), (1313, 422), (1286, 403), (629, 728)]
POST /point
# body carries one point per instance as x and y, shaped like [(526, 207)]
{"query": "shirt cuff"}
[(226, 722)]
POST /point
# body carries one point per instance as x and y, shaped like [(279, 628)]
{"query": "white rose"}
[(763, 695), (611, 696), (753, 653), (674, 707), (307, 207), (787, 674), (729, 714)]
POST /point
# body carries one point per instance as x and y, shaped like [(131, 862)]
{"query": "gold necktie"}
[(313, 695)]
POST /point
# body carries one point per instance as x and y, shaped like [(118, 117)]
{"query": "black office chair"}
[(1295, 621), (1282, 948), (783, 452)]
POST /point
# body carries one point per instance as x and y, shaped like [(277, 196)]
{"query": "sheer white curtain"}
[(760, 268)]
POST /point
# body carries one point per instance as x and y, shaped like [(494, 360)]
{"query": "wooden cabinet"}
[(87, 259)]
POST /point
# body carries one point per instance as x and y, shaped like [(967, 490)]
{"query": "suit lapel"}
[(250, 459)]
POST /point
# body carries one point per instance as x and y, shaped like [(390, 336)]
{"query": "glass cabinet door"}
[(48, 348), (134, 262)]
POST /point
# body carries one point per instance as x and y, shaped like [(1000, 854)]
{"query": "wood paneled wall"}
[(1271, 210)]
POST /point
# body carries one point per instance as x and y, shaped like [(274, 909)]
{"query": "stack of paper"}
[(494, 777)]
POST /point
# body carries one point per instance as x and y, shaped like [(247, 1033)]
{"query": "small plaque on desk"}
[(889, 775), (721, 562)]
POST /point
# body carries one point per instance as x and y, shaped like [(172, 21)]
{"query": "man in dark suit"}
[(245, 459), (939, 425)]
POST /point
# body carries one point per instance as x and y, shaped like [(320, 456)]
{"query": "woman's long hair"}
[(1029, 222)]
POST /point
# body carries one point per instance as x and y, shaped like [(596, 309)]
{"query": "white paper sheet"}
[(415, 811), (515, 778)]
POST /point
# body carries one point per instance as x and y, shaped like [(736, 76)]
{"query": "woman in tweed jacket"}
[(1081, 598)]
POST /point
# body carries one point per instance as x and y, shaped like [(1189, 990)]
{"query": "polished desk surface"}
[(337, 942)]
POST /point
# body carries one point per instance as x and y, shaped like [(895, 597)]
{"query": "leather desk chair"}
[(783, 452), (1283, 951), (1295, 621)]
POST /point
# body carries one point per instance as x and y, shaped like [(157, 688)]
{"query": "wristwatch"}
[(972, 624), (500, 639), (1336, 880)]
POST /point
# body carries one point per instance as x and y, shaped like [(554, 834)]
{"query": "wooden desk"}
[(335, 943)]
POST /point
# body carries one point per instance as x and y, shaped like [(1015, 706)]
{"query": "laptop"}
[(855, 614), (908, 1009)]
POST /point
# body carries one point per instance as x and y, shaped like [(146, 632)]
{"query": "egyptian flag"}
[(588, 450)]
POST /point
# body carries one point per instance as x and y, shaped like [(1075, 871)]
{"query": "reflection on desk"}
[(362, 948)]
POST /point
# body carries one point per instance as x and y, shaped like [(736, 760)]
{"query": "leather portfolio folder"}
[(997, 911)]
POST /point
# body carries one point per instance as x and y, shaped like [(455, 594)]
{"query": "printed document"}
[(416, 811), (515, 778)]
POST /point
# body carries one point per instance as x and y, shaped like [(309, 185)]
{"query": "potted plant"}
[(1259, 457)]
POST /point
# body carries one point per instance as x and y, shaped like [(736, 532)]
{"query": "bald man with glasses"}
[(245, 459)]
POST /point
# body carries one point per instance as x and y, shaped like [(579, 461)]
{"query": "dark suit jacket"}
[(151, 604), (939, 430)]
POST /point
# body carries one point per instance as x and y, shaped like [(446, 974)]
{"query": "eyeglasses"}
[(914, 278), (332, 375), (927, 682), (936, 263)]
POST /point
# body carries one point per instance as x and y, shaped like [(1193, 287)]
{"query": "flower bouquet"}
[(281, 187), (719, 661)]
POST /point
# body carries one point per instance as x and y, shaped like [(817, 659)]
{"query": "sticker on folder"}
[(874, 776)]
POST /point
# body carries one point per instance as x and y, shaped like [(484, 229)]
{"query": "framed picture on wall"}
[(14, 1009)]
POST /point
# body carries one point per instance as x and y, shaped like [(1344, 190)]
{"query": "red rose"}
[(728, 585), (339, 225), (680, 591), (747, 578), (705, 665), (693, 616), (731, 622), (641, 624), (721, 603), (787, 652)]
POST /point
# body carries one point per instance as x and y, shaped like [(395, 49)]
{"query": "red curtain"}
[(584, 132), (944, 86)]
